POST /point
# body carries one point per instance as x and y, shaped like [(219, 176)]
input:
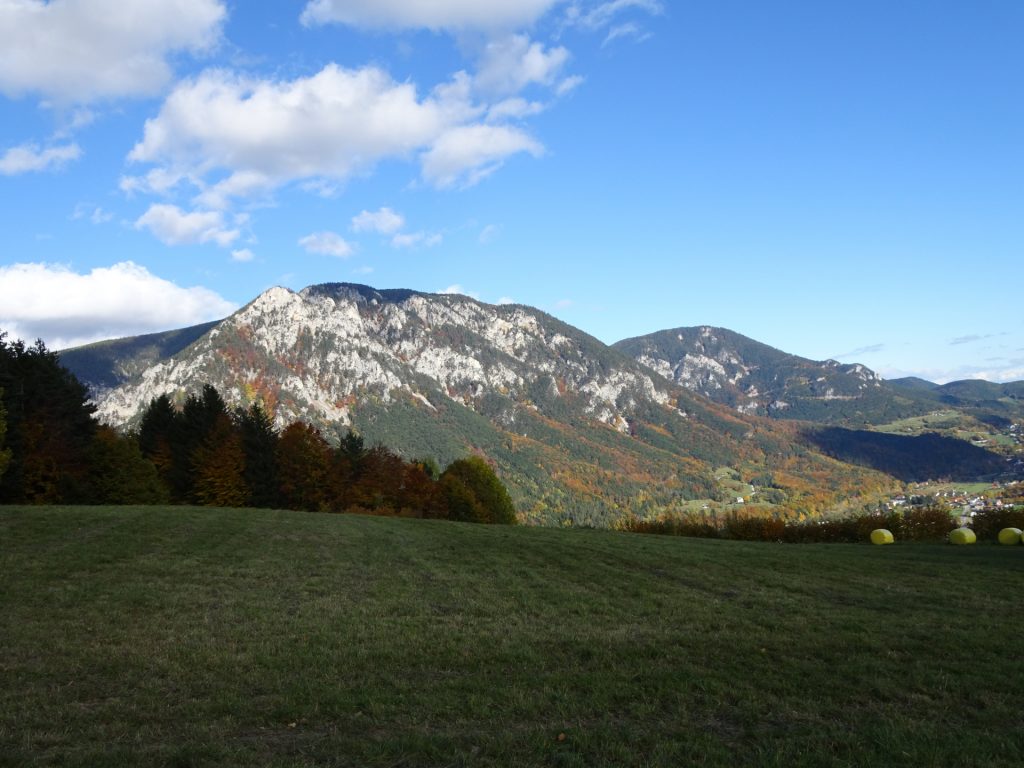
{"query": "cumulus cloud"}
[(510, 64), (451, 15), (385, 221), (174, 226), (66, 308), (466, 154), (327, 244), (457, 290), (232, 136), (78, 51), (514, 108), (242, 254), (31, 157)]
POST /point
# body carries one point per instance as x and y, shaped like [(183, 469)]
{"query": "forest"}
[(200, 452)]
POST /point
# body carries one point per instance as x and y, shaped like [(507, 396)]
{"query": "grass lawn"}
[(188, 637)]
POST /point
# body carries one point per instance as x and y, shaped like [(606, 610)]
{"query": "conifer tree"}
[(49, 427), (218, 467), (259, 442), (5, 453)]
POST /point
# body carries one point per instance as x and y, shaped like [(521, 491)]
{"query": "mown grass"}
[(188, 637)]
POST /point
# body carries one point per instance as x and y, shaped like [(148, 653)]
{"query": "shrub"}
[(988, 523)]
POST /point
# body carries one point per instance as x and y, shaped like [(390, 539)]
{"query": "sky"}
[(838, 180)]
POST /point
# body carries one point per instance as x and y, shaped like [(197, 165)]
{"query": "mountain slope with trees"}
[(581, 432), (752, 377)]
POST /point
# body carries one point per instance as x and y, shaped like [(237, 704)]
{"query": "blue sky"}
[(837, 180)]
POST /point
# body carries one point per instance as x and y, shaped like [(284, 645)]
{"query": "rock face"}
[(580, 432), (310, 353), (755, 378)]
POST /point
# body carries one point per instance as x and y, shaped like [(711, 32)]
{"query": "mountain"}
[(581, 432), (755, 378), (989, 402)]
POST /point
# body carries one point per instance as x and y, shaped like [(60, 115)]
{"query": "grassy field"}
[(188, 637)]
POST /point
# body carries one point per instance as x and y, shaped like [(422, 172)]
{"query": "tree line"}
[(53, 451)]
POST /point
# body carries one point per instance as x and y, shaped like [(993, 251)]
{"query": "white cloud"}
[(628, 30), (78, 51), (385, 221), (602, 15), (414, 239), (159, 181), (455, 289), (569, 84), (489, 233), (327, 244), (506, 300), (30, 157), (467, 154), (514, 108), (511, 63), (93, 213), (1010, 370), (450, 15), (242, 254), (240, 184), (247, 135), (174, 226), (66, 308)]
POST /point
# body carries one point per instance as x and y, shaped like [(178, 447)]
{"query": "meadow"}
[(175, 636)]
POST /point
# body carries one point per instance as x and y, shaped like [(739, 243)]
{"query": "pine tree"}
[(49, 427), (218, 467), (303, 462), (5, 453), (259, 442), (121, 474)]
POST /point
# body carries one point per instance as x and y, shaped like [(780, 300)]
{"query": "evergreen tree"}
[(5, 453), (49, 427), (259, 442), (121, 474), (303, 463), (160, 442), (218, 467)]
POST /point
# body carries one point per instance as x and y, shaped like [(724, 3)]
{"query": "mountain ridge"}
[(582, 432)]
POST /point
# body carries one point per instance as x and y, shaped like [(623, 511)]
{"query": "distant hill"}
[(913, 383), (755, 378), (107, 364)]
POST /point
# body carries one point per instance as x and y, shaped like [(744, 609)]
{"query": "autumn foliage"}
[(201, 452)]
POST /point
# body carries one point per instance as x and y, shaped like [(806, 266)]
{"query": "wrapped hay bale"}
[(962, 536), (882, 536), (1010, 536)]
